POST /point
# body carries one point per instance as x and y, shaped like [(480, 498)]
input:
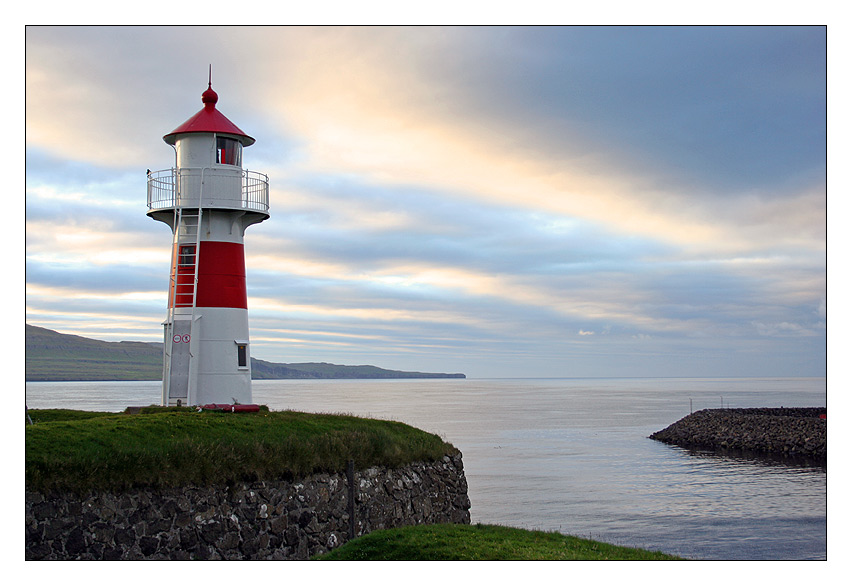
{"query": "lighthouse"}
[(208, 200)]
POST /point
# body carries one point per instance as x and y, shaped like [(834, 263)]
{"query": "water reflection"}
[(803, 464)]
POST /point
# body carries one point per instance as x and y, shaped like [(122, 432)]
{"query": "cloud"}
[(368, 113), (368, 102), (513, 200)]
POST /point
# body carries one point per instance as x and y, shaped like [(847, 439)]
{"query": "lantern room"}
[(208, 170)]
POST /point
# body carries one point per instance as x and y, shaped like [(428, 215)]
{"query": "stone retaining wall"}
[(261, 520), (789, 432)]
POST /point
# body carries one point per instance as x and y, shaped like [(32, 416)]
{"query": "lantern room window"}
[(228, 151)]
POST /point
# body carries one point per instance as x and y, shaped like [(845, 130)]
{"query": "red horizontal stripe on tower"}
[(221, 275)]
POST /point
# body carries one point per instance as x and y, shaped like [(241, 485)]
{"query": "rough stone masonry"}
[(788, 432), (248, 521)]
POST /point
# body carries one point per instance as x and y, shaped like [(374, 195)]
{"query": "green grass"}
[(50, 415), (480, 542), (82, 451)]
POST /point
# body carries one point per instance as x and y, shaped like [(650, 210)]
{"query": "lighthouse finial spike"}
[(208, 96)]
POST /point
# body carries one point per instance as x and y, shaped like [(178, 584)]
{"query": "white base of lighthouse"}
[(207, 357)]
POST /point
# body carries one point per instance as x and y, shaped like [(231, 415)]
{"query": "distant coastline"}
[(53, 356)]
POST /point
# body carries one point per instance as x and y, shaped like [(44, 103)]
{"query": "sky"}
[(499, 201)]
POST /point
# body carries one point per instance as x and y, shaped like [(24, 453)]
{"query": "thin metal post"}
[(350, 505)]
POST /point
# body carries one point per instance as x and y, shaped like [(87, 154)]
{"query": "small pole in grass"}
[(350, 506)]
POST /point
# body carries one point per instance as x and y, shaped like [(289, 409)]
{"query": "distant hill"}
[(52, 356), (61, 357), (260, 369)]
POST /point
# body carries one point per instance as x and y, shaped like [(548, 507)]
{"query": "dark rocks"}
[(787, 432), (260, 520)]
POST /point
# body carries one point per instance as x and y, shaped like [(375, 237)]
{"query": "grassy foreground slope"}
[(480, 542), (160, 447), (81, 451)]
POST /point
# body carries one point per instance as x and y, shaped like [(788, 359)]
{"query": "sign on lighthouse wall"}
[(208, 200)]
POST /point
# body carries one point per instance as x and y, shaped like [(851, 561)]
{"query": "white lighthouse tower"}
[(208, 200)]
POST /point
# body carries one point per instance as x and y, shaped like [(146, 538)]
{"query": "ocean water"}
[(573, 455)]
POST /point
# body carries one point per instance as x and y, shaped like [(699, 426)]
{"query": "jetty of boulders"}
[(788, 432)]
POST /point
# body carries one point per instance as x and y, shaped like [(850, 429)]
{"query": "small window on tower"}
[(242, 355), (228, 151), (186, 258)]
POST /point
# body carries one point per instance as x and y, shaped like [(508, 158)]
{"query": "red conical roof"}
[(209, 119)]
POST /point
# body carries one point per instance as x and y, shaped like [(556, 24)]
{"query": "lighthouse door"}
[(180, 361)]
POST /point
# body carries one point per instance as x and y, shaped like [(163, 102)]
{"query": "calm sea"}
[(573, 455)]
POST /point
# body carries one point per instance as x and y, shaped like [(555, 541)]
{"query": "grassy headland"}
[(480, 542), (81, 451)]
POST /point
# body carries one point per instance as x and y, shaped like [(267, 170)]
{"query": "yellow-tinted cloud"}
[(379, 314), (361, 109), (58, 242), (612, 305), (43, 291), (341, 213), (359, 102), (69, 116)]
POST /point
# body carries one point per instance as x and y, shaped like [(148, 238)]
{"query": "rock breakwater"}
[(787, 432)]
